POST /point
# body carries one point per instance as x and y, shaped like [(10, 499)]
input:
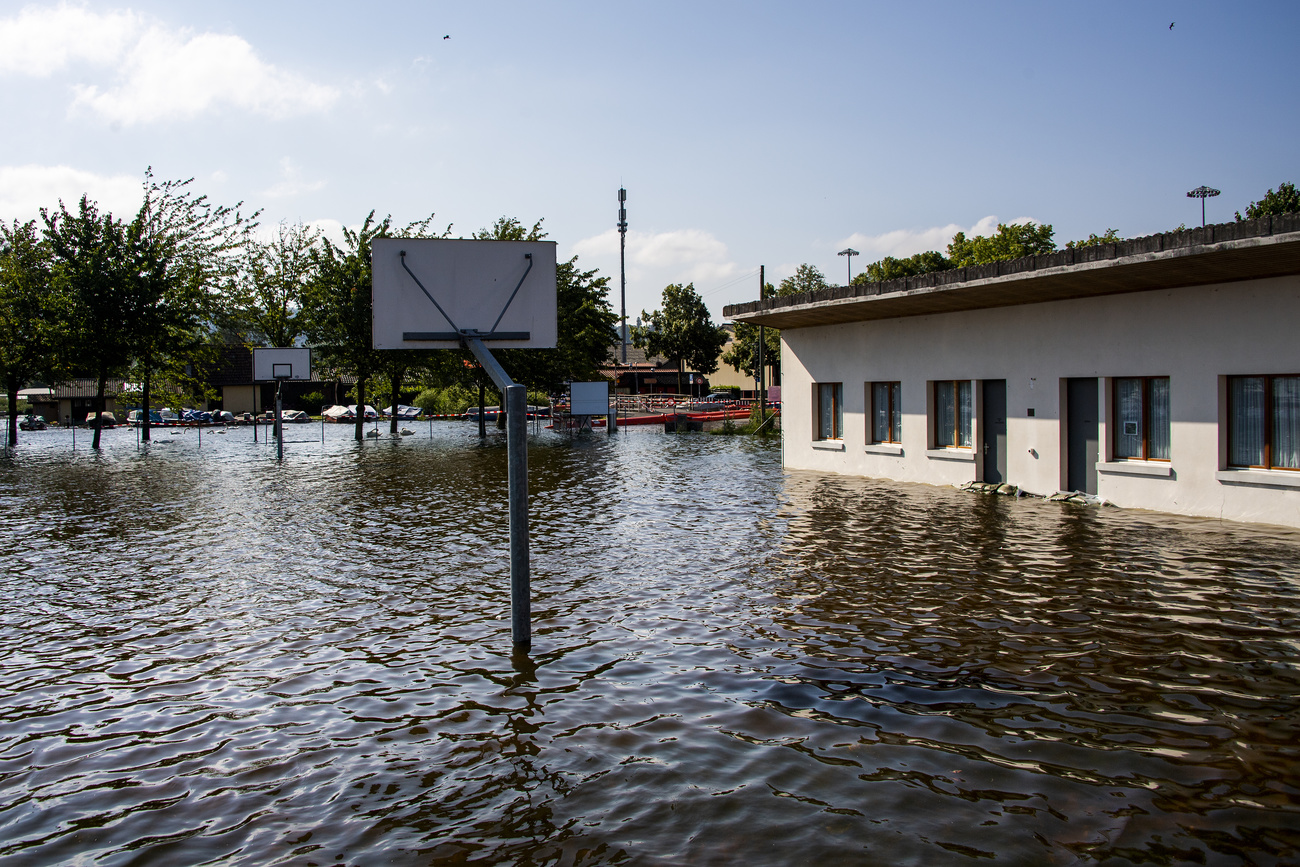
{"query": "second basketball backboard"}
[(429, 293)]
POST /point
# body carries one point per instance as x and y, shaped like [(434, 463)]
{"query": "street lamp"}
[(850, 253), (1203, 193)]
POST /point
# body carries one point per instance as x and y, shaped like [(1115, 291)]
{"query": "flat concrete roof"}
[(1222, 253)]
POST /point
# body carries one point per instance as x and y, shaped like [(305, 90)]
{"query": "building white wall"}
[(1195, 336)]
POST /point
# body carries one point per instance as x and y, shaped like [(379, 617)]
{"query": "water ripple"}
[(211, 657)]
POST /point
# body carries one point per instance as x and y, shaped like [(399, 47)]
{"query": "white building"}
[(1159, 373)]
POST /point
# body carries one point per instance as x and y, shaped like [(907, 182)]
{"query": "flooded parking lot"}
[(211, 657)]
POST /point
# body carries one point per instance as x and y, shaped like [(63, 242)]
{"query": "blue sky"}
[(746, 133)]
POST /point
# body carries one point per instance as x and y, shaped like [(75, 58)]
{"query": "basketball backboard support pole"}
[(477, 291), (516, 400)]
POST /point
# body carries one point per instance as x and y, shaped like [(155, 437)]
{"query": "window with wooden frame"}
[(952, 413), (830, 410), (1140, 407), (885, 399), (1264, 422)]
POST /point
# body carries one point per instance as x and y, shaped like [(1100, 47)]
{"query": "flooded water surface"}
[(211, 657)]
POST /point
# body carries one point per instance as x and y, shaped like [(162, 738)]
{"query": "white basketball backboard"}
[(428, 292), (288, 363), (588, 398)]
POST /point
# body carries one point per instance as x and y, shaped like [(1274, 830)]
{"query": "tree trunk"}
[(144, 400), (360, 433), (679, 376), (482, 412), (11, 389), (395, 381), (99, 408), (501, 415)]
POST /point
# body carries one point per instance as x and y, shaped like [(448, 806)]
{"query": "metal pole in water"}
[(517, 448), (279, 429)]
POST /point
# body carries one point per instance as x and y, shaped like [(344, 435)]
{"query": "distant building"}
[(72, 400), (1159, 373)]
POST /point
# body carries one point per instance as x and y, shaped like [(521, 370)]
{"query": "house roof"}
[(1227, 252), (85, 387), (635, 358)]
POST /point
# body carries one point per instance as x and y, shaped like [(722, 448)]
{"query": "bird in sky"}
[(448, 36), (1171, 25)]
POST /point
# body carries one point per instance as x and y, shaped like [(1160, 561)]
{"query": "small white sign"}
[(589, 398)]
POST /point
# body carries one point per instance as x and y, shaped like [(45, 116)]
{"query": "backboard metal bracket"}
[(463, 334), (467, 334)]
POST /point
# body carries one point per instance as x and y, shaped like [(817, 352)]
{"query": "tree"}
[(93, 268), (682, 331), (337, 305), (1285, 201), (890, 268), (30, 320), (806, 278), (266, 299), (1111, 236), (1009, 242), (743, 354), (182, 249)]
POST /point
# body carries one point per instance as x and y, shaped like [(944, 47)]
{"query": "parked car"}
[(294, 416), (32, 422), (106, 420)]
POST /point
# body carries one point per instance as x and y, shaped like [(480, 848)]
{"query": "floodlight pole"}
[(848, 253), (1202, 192), (516, 397)]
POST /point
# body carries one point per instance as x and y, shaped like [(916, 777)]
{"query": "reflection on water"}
[(207, 656)]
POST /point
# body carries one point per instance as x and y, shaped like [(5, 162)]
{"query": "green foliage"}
[(760, 424), (806, 278), (728, 428), (1111, 237), (1286, 200), (510, 229), (452, 400), (265, 301), (742, 356), (682, 331), (890, 268), (1009, 242)]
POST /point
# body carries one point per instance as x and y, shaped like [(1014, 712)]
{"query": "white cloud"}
[(24, 190), (40, 41), (292, 183), (907, 242), (157, 72), (168, 74)]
